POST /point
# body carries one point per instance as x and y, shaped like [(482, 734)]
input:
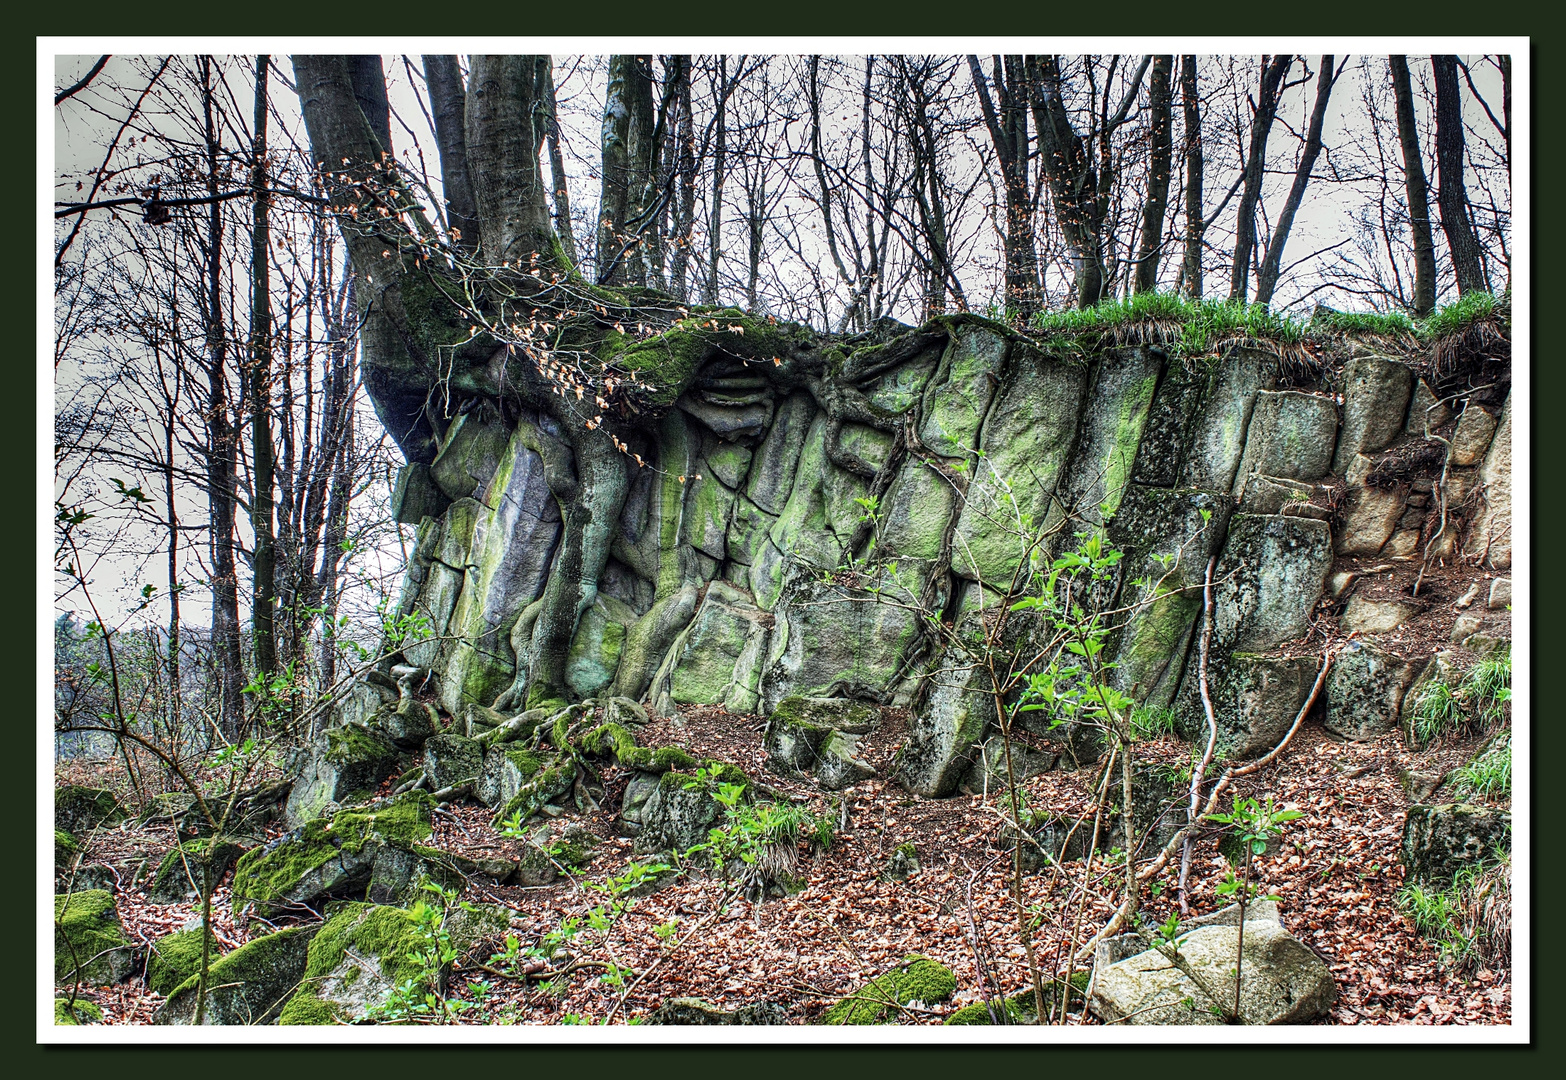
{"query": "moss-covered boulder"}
[(176, 957), (74, 1014), (1441, 840), (916, 979), (680, 813), (408, 723), (247, 987), (78, 809), (90, 945), (362, 954), (507, 768), (180, 873), (378, 847), (552, 780), (343, 761), (65, 849), (450, 760)]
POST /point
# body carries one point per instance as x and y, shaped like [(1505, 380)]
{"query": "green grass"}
[(1478, 700), (1471, 920), (1196, 328), (1487, 776), (1458, 316), (1149, 723), (1390, 324), (1189, 328)]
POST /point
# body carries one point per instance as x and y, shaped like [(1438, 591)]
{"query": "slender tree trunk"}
[(448, 105), (719, 163), (685, 174), (1007, 120), (1272, 265), (221, 447), (1255, 164), (1195, 226), (623, 143), (259, 381), (1161, 136), (562, 192), (1452, 195), (1418, 193)]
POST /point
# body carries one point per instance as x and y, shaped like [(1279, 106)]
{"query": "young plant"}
[(1254, 825)]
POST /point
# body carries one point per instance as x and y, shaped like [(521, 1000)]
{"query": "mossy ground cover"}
[(917, 979)]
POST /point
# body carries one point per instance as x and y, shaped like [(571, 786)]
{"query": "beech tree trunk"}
[(259, 381), (1418, 192), (1195, 226), (448, 105), (1452, 195), (1161, 150), (221, 448), (1007, 121)]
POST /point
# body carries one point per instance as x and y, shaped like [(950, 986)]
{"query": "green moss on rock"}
[(185, 864), (75, 1014), (306, 1009), (65, 848), (916, 979), (89, 942), (175, 958), (661, 760), (77, 808), (266, 875), (610, 738)]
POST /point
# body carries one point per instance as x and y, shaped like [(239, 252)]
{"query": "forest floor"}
[(1336, 872)]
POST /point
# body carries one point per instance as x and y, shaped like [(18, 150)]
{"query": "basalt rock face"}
[(785, 536)]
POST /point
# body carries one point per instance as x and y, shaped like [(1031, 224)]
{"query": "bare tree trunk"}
[(1272, 265), (1418, 193), (259, 382), (625, 145), (719, 163), (1195, 225), (1255, 164), (1452, 195), (685, 173), (448, 104), (1161, 121), (562, 192), (221, 447), (1008, 126)]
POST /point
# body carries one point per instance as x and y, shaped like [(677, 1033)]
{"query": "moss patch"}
[(74, 1015), (176, 958), (264, 875), (254, 963), (916, 979), (88, 923), (65, 848), (77, 808), (661, 760), (306, 1009)]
